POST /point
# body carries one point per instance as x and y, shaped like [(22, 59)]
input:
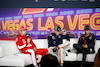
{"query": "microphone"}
[(28, 41), (27, 36)]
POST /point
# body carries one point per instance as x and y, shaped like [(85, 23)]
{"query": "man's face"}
[(56, 32), (87, 31), (23, 32)]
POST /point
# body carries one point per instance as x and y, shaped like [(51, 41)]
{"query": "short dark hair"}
[(87, 27), (57, 28), (49, 61)]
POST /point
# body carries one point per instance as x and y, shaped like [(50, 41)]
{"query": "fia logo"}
[(36, 0)]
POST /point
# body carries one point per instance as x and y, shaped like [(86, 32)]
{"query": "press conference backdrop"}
[(40, 22)]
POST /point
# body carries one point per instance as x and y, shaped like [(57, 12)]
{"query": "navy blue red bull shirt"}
[(89, 40), (54, 40)]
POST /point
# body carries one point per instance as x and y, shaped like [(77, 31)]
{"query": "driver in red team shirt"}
[(25, 45)]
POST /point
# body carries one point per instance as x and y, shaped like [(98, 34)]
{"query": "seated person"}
[(49, 61), (86, 42), (97, 59), (25, 45), (56, 45)]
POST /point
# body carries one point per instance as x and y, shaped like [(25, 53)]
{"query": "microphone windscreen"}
[(27, 36)]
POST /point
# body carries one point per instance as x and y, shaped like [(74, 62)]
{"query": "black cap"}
[(87, 27), (57, 28)]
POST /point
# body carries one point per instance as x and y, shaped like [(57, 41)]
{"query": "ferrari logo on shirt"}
[(23, 40)]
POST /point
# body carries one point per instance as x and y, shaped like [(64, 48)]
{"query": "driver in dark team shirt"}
[(56, 45), (86, 43)]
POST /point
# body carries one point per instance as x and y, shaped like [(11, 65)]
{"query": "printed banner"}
[(40, 22)]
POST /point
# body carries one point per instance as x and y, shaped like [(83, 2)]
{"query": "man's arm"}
[(33, 45), (79, 41), (20, 44), (66, 37), (67, 43), (92, 42)]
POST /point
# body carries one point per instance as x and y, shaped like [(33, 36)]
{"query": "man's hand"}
[(28, 40), (85, 46), (35, 48), (55, 49)]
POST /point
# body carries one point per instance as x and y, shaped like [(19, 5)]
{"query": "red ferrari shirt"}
[(22, 45)]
